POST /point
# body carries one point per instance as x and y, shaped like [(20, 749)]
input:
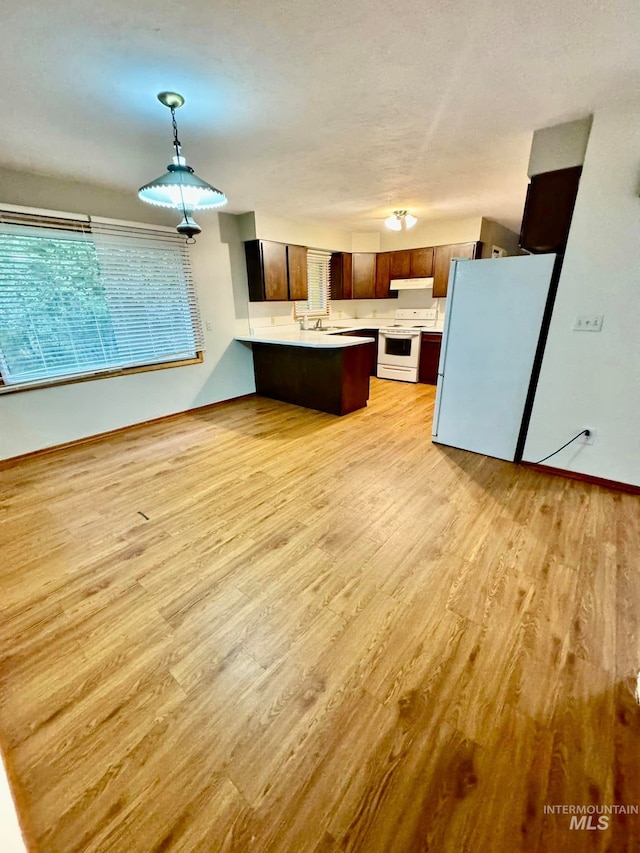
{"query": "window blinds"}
[(319, 285), (79, 298)]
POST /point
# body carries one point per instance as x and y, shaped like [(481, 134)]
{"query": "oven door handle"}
[(400, 337)]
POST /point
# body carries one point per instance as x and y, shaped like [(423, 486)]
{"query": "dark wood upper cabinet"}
[(297, 264), (442, 262), (411, 263), (400, 264), (421, 263), (341, 276), (548, 210), (364, 275), (276, 271), (267, 270), (383, 275), (347, 276)]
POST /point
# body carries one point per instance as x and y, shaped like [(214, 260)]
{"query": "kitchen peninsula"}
[(317, 370)]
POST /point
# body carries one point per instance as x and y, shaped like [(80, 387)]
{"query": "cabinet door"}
[(297, 263), (421, 263), (442, 262), (274, 270), (401, 264), (347, 275), (341, 285), (367, 333), (548, 210), (364, 275), (336, 275), (383, 272), (429, 358), (255, 280)]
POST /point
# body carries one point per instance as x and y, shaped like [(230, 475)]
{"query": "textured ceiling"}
[(332, 111)]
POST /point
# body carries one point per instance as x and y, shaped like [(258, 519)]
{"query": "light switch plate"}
[(588, 323)]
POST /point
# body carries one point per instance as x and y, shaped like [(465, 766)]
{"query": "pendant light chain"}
[(176, 141), (178, 147)]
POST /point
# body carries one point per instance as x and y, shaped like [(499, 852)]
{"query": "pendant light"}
[(180, 188), (400, 219)]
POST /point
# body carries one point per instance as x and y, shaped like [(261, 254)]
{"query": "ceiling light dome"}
[(400, 219)]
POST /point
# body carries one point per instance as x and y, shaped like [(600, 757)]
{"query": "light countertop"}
[(298, 338)]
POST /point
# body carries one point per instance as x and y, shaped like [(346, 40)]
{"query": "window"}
[(81, 298), (318, 302)]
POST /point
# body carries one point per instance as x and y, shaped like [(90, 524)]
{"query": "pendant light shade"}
[(180, 185), (400, 219), (180, 188)]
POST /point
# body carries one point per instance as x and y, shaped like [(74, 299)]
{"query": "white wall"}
[(365, 241), (427, 232), (31, 420), (559, 147), (269, 314), (592, 380), (315, 235), (494, 234), (432, 232)]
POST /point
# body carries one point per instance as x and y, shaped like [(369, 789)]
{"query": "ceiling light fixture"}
[(180, 187), (400, 219)]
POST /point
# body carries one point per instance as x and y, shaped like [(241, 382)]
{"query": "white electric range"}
[(399, 345)]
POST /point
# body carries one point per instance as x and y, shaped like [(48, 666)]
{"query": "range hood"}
[(411, 284)]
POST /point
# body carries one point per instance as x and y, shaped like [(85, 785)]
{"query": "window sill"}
[(110, 374)]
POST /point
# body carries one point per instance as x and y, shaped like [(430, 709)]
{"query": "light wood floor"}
[(329, 635)]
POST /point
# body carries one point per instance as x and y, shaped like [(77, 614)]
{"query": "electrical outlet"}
[(588, 323), (209, 326), (588, 439)]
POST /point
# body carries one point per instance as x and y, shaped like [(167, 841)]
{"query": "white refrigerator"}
[(493, 320)]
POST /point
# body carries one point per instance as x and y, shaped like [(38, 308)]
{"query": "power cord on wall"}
[(586, 432)]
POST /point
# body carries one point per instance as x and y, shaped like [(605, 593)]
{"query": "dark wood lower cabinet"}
[(368, 333), (429, 358), (327, 379)]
